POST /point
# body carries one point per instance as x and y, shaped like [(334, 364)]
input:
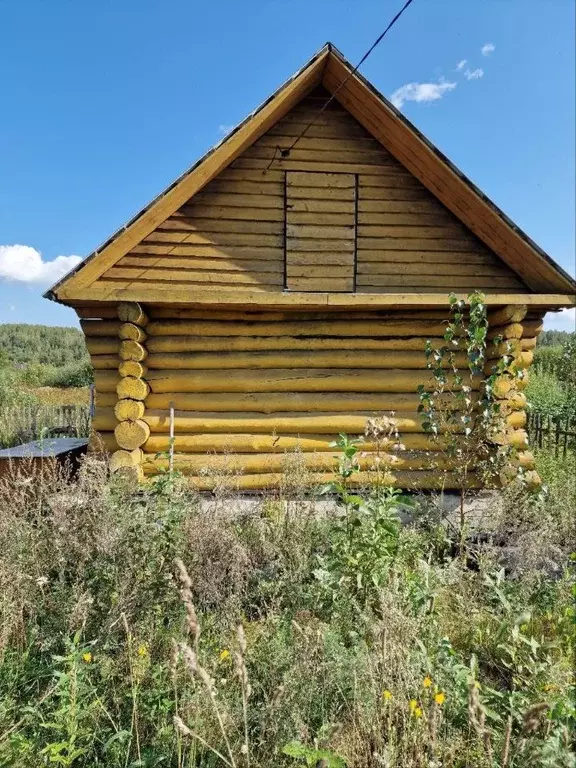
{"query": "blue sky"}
[(105, 102)]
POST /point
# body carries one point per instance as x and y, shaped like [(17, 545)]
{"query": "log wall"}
[(248, 387)]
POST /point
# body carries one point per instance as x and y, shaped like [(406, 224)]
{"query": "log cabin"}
[(282, 290)]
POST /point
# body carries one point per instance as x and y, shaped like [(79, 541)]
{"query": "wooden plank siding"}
[(338, 214)]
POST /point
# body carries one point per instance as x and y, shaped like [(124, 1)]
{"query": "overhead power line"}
[(285, 152)]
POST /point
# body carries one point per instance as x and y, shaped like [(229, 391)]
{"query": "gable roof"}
[(449, 185)]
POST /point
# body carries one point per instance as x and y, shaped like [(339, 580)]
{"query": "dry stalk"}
[(185, 731), (133, 687), (507, 738), (242, 674), (477, 716), (190, 658)]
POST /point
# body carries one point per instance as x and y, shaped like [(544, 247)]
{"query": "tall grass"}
[(120, 610)]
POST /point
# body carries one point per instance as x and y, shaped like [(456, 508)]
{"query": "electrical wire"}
[(286, 152)]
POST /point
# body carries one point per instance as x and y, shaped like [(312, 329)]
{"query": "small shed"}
[(282, 290)]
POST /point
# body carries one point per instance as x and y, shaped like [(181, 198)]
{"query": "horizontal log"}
[(102, 345), (102, 441), (131, 434), (504, 348), (159, 312), (132, 350), (277, 462), (131, 388), (96, 311), (382, 359), (132, 332), (257, 423), (106, 381), (532, 328), (305, 402), (406, 480), (132, 368), (105, 399), (104, 362), (297, 329), (247, 443), (513, 313), (132, 312), (104, 420), (286, 380), (297, 423), (109, 328), (261, 343)]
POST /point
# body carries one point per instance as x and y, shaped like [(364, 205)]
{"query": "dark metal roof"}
[(39, 449)]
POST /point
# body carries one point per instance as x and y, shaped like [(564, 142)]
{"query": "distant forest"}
[(554, 338), (21, 344), (42, 356)]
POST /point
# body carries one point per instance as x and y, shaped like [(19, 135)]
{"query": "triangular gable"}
[(393, 132)]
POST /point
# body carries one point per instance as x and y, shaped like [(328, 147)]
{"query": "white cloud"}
[(487, 49), (461, 64), (223, 130), (420, 92), (565, 320), (474, 74), (24, 264)]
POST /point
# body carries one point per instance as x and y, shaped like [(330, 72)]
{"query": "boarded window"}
[(320, 231)]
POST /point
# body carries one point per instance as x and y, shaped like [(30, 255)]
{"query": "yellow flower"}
[(386, 695), (440, 698), (87, 657), (224, 655), (427, 682), (418, 712), (142, 650), (413, 705)]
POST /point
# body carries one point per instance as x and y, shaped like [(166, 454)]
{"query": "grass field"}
[(284, 637)]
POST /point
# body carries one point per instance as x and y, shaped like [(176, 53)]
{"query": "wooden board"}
[(338, 199)]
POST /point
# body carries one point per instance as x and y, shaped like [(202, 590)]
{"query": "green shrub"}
[(73, 375)]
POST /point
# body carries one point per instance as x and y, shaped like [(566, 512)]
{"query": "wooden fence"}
[(552, 432), (24, 423)]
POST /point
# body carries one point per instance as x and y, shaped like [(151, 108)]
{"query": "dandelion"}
[(427, 682), (386, 695), (142, 650), (225, 654), (87, 657), (440, 698), (413, 705), (418, 712)]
